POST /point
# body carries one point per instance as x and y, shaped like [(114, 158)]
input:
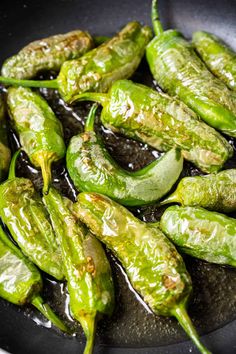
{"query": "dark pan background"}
[(24, 21)]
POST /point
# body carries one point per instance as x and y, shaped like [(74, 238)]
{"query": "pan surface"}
[(132, 329)]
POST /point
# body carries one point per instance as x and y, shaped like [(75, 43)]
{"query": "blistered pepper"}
[(154, 267), (40, 132), (92, 169), (180, 72), (5, 153)]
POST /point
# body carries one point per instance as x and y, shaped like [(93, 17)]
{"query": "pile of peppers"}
[(45, 231)]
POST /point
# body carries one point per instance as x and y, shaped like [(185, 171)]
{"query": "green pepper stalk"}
[(21, 282), (23, 212), (87, 269), (180, 72), (40, 132), (92, 169), (161, 121), (5, 152), (155, 269), (203, 234)]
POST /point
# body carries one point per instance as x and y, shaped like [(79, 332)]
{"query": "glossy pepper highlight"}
[(5, 153), (203, 234), (92, 169), (161, 121), (40, 132), (47, 54), (88, 272), (153, 265), (115, 59), (180, 72)]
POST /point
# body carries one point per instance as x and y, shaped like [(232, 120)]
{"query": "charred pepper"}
[(92, 169), (5, 153), (179, 71), (47, 54), (87, 269), (40, 132), (153, 265)]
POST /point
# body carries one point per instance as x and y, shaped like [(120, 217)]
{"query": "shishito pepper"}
[(47, 54), (5, 153), (92, 169), (180, 72), (217, 56), (20, 280), (153, 265), (215, 192), (117, 58), (161, 121), (87, 269), (23, 212), (201, 233), (40, 132)]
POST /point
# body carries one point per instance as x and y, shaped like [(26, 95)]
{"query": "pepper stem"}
[(173, 198), (89, 327), (48, 313), (181, 314), (46, 173), (156, 23), (89, 125), (12, 168), (101, 98), (29, 83)]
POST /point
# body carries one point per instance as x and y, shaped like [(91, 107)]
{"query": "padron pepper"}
[(214, 192), (161, 121), (217, 56), (117, 58), (87, 269), (180, 72), (154, 267), (201, 233), (23, 212), (47, 54), (40, 132), (92, 169), (5, 153)]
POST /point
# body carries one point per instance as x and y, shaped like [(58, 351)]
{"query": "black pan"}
[(132, 329)]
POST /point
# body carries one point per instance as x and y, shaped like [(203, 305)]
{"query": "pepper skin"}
[(180, 72), (201, 233), (23, 212), (47, 54), (161, 121), (40, 132), (92, 169), (115, 59), (88, 272), (214, 192), (217, 56), (153, 266), (5, 153)]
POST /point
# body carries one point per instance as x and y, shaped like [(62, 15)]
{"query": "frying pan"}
[(22, 21)]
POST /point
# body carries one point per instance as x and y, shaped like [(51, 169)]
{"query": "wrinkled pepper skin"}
[(92, 169), (217, 56), (47, 54), (180, 72), (214, 192), (40, 132), (154, 267), (88, 272), (201, 233), (5, 153), (161, 121)]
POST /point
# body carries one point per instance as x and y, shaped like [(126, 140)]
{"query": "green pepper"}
[(88, 272), (215, 192), (92, 169), (180, 72), (201, 233), (47, 54), (115, 59), (5, 153), (20, 280), (161, 121), (23, 212), (40, 132), (154, 267), (217, 56)]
